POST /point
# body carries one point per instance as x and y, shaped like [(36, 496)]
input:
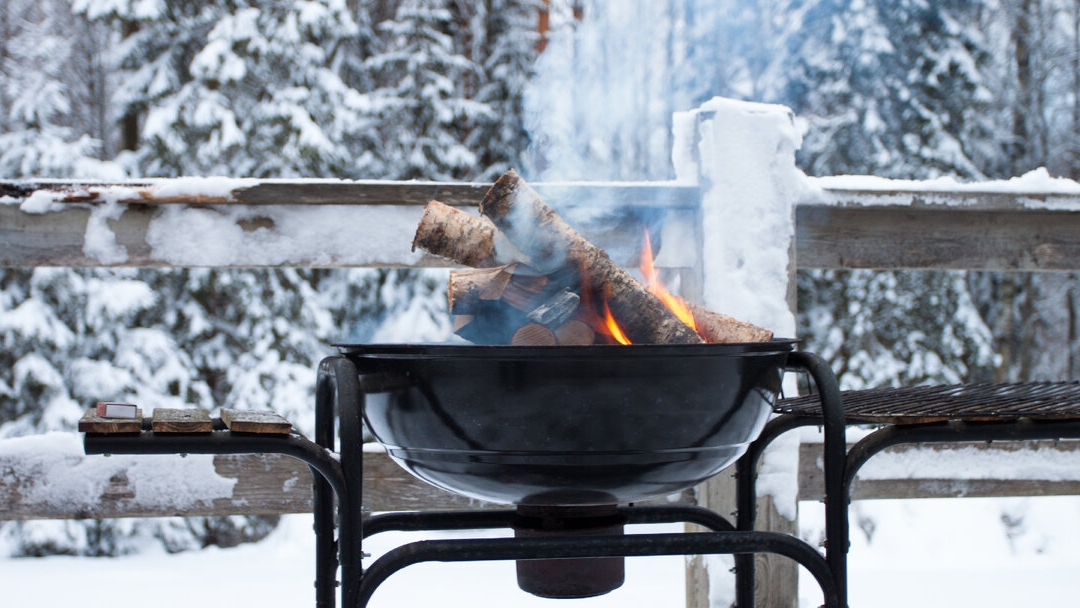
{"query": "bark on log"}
[(550, 243), (719, 328), (456, 235)]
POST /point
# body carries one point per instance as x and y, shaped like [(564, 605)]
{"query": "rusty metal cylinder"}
[(573, 577)]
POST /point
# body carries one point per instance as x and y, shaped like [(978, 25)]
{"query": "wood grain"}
[(269, 483), (92, 423), (888, 238), (168, 420), (262, 422)]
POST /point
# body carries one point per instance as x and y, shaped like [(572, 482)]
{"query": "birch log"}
[(549, 242)]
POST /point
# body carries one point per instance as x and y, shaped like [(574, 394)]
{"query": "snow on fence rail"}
[(1028, 225)]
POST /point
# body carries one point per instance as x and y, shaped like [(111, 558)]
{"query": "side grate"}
[(985, 402)]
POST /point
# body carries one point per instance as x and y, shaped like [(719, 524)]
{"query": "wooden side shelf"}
[(194, 420)]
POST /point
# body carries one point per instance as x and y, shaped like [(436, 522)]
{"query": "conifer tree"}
[(507, 54), (420, 103), (39, 132)]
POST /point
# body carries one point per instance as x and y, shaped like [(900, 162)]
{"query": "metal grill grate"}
[(1044, 400)]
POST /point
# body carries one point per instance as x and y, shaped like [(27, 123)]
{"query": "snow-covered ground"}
[(957, 552)]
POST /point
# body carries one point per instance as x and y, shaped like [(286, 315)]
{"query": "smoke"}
[(599, 107)]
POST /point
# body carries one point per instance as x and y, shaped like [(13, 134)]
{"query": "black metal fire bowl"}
[(567, 425)]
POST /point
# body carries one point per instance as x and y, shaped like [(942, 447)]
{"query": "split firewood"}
[(469, 286), (718, 328), (549, 242), (463, 237), (512, 283), (472, 241), (533, 334), (491, 322), (456, 235), (575, 333), (555, 309)]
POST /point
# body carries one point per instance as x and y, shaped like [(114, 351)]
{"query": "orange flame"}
[(655, 287), (612, 327)]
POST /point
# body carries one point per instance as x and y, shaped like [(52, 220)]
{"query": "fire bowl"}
[(567, 425)]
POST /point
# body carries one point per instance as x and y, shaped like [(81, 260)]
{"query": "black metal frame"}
[(338, 472)]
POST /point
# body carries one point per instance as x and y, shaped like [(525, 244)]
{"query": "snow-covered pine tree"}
[(256, 92), (894, 89), (506, 54), (886, 89), (39, 130), (1033, 315), (423, 113)]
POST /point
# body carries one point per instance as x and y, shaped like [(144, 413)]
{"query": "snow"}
[(1035, 184), (60, 473), (216, 235), (743, 156), (924, 552)]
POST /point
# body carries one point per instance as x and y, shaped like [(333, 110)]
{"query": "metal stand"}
[(836, 496), (339, 474)]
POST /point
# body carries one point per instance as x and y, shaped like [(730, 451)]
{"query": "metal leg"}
[(326, 551), (836, 496), (338, 390)]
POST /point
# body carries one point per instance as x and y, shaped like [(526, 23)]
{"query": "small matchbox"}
[(109, 409)]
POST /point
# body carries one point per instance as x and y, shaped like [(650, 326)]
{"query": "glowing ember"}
[(655, 287)]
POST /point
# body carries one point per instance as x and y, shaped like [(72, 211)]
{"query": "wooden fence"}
[(46, 223)]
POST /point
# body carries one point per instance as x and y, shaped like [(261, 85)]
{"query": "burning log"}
[(716, 327), (517, 303), (549, 242)]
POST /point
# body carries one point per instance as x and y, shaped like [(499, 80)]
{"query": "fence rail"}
[(844, 229)]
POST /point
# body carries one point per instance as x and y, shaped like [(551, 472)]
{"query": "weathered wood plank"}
[(271, 232), (200, 191), (939, 238), (92, 423), (268, 484), (968, 196), (169, 420), (265, 484), (994, 236), (262, 422)]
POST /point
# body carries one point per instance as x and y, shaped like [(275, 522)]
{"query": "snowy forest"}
[(453, 90)]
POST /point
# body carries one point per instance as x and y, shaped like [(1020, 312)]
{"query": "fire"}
[(652, 282), (607, 323), (612, 327)]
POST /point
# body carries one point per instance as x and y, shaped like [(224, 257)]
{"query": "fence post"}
[(742, 156)]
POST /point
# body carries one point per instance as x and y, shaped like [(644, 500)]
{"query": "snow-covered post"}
[(742, 156)]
